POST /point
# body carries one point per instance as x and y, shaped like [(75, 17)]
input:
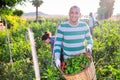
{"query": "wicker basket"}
[(87, 74)]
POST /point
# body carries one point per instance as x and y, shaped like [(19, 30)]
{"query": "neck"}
[(73, 22)]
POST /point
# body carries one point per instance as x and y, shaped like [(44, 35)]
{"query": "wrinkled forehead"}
[(74, 7)]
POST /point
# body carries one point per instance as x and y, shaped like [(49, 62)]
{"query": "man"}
[(91, 22), (71, 36)]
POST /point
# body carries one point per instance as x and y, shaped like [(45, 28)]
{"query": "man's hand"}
[(57, 62)]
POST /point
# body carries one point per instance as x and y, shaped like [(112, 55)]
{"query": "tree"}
[(7, 5), (18, 12), (37, 4), (106, 9)]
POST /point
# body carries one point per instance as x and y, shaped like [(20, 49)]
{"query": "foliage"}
[(106, 50), (5, 11), (18, 12), (37, 4), (22, 67), (106, 9), (76, 64), (12, 3), (20, 48), (6, 5)]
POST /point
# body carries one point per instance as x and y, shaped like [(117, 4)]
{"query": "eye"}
[(71, 12)]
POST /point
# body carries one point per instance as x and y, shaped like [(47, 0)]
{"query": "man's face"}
[(74, 14)]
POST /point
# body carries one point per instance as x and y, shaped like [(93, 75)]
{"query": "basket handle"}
[(60, 70), (88, 55)]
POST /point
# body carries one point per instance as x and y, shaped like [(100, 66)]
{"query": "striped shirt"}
[(72, 38)]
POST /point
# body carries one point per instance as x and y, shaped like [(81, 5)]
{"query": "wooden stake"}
[(34, 55)]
